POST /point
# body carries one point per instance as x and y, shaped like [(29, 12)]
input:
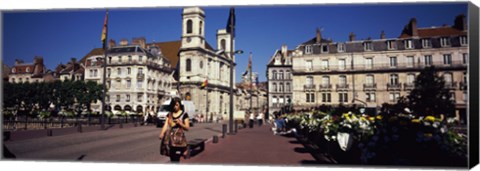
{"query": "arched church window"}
[(189, 65), (189, 26), (223, 44)]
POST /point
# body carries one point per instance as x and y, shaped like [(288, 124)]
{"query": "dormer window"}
[(324, 48), (463, 40), (445, 41), (28, 69), (426, 43), (13, 70), (391, 45), (308, 49), (408, 44), (367, 46), (341, 47)]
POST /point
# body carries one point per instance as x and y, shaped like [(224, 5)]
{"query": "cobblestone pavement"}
[(254, 146), (133, 145)]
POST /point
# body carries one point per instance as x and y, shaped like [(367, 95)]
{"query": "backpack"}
[(176, 136)]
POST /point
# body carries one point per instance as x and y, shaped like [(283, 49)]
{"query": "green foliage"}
[(44, 114), (61, 94)]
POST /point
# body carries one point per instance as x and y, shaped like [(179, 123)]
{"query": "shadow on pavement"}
[(295, 142), (81, 157), (7, 153), (313, 162), (301, 150)]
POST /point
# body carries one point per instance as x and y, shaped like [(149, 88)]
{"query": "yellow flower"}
[(371, 118), (379, 117), (415, 121), (430, 118), (428, 134), (353, 116)]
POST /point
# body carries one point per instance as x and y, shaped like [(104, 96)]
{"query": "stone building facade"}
[(138, 77), (376, 71), (27, 72), (279, 79), (200, 64)]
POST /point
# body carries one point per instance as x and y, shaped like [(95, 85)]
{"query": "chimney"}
[(413, 27), (123, 42), (38, 60), (18, 61), (111, 43), (460, 23), (382, 35), (139, 41), (318, 36), (284, 50), (351, 37)]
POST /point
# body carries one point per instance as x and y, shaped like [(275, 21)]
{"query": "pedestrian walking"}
[(172, 136), (251, 120), (260, 118)]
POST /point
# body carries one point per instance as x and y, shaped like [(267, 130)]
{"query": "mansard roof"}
[(444, 31), (169, 51)]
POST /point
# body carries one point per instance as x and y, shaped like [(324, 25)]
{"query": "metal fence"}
[(22, 123)]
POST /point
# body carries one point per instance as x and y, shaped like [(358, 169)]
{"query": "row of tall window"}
[(120, 59), (392, 44), (280, 75), (126, 97), (393, 79), (392, 62), (281, 87), (128, 84), (280, 100), (120, 71)]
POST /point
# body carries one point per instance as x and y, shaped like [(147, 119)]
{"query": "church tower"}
[(223, 41), (193, 28)]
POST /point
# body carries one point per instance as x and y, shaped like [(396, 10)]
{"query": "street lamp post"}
[(104, 94), (251, 84), (230, 122)]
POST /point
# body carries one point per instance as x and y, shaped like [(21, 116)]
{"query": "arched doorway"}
[(128, 108), (139, 109), (117, 107)]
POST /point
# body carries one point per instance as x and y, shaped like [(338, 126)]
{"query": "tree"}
[(45, 95), (66, 95), (430, 97)]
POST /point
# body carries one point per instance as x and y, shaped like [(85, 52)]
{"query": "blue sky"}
[(59, 35)]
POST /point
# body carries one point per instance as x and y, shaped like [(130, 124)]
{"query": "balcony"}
[(341, 87), (394, 87), (463, 86), (370, 87), (451, 85), (408, 86), (361, 67), (140, 75), (325, 86), (309, 87)]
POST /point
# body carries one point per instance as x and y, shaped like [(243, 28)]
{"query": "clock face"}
[(189, 39)]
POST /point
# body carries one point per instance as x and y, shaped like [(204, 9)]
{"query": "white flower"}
[(443, 129)]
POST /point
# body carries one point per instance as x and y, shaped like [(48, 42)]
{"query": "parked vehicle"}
[(188, 107)]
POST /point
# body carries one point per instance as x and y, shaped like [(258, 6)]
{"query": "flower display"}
[(388, 139)]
